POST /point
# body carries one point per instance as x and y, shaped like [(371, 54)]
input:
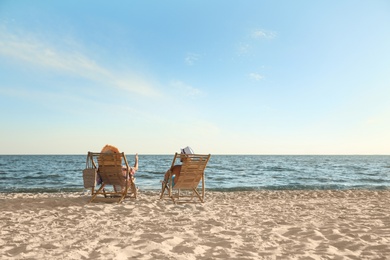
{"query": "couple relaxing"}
[(113, 170), (174, 170)]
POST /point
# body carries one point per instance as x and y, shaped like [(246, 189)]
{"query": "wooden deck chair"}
[(114, 185), (191, 177)]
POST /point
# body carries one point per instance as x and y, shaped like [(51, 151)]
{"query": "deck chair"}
[(191, 177), (114, 185)]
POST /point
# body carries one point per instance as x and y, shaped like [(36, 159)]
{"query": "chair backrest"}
[(192, 170), (110, 168)]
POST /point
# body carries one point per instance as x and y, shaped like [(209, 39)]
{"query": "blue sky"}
[(224, 77)]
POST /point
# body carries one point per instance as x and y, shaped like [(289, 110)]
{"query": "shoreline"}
[(265, 224), (232, 189)]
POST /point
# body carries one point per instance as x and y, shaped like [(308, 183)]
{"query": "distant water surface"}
[(63, 173)]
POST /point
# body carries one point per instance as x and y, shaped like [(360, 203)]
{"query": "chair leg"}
[(123, 195), (203, 188), (163, 186), (166, 187), (197, 194), (97, 192)]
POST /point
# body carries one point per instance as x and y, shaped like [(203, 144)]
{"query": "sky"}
[(224, 77)]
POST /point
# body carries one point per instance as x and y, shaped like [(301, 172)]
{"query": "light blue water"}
[(54, 173)]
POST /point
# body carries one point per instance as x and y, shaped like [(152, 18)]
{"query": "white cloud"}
[(263, 34), (246, 48), (186, 89), (256, 76), (191, 58), (243, 48), (30, 50)]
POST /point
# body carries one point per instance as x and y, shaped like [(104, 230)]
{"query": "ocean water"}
[(63, 173)]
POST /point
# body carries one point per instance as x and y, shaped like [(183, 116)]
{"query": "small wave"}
[(302, 187), (278, 169), (41, 190)]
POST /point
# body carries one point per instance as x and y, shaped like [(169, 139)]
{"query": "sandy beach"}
[(229, 225)]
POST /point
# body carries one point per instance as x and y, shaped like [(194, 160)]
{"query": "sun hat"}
[(187, 150), (110, 149)]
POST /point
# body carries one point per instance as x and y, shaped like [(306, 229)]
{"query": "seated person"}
[(177, 168), (133, 169), (113, 149)]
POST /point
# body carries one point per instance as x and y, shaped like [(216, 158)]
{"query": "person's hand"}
[(136, 156)]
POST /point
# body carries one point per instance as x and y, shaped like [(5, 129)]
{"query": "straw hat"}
[(110, 149)]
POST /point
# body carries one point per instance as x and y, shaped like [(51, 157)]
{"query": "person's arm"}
[(176, 171), (135, 167)]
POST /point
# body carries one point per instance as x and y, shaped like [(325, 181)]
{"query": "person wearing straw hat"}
[(112, 149), (177, 168)]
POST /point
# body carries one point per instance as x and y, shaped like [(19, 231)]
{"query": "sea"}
[(63, 173)]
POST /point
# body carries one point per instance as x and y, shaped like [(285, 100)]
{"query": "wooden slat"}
[(191, 177), (110, 171)]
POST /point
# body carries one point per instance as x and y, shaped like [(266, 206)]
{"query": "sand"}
[(229, 225)]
